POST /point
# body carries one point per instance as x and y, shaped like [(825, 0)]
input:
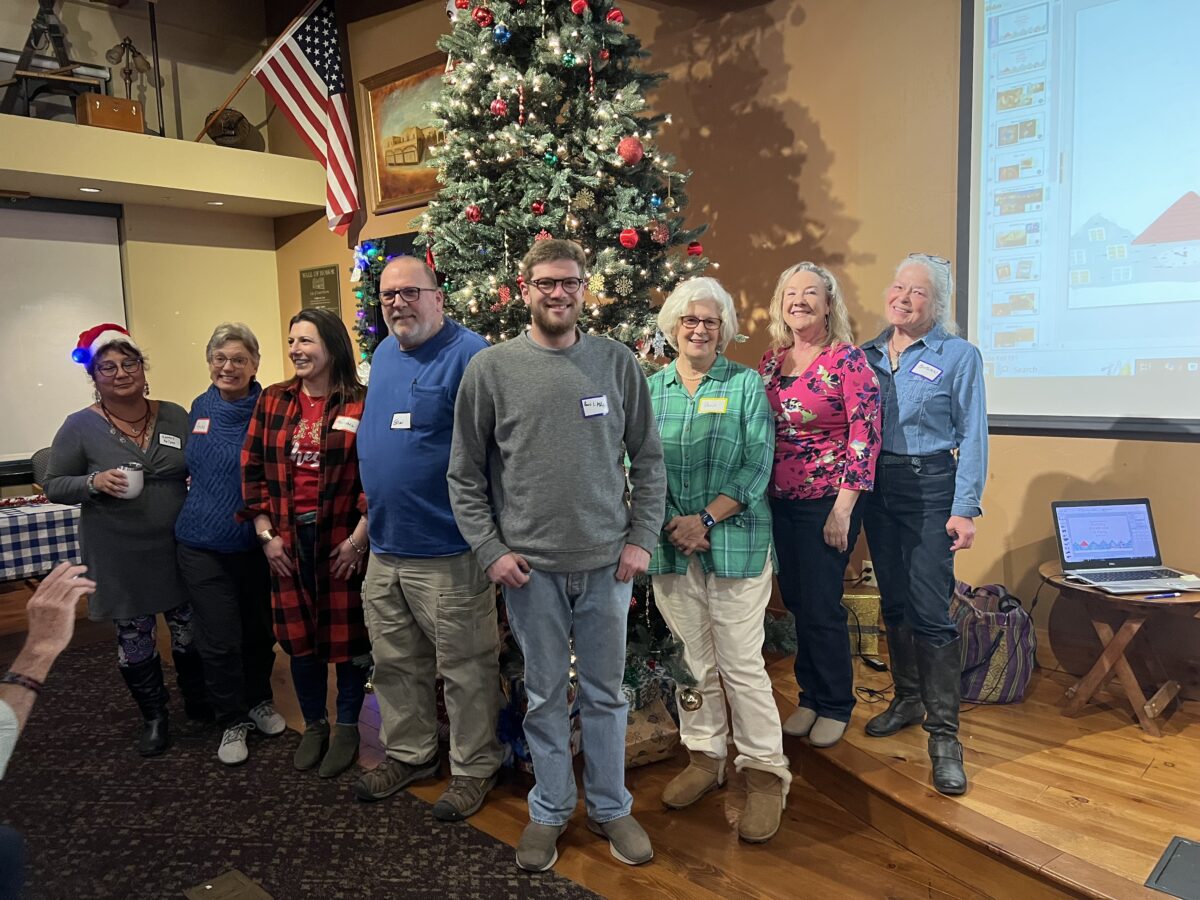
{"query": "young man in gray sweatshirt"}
[(541, 425)]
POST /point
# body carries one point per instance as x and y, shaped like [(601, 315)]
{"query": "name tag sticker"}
[(401, 421), (926, 371), (713, 405), (345, 423), (201, 426), (169, 440), (594, 406)]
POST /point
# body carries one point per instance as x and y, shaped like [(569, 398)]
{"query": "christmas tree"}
[(548, 135)]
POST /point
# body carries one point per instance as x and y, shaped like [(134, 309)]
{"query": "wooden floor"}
[(1092, 798)]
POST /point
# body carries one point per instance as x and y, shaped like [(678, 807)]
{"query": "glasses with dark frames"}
[(109, 369), (407, 294), (929, 257)]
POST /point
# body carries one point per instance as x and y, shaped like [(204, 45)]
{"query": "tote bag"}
[(999, 645)]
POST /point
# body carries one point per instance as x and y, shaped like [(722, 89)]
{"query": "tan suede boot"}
[(764, 806), (703, 774)]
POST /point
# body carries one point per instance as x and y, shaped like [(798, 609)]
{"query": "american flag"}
[(302, 72)]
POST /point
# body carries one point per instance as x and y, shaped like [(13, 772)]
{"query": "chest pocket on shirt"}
[(432, 409)]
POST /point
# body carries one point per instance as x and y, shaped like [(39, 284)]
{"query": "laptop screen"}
[(1106, 534)]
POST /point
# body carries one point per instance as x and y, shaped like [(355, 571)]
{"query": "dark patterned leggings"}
[(136, 637)]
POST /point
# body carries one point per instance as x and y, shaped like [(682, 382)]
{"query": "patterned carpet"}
[(101, 822)]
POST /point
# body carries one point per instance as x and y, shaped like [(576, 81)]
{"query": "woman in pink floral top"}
[(825, 400)]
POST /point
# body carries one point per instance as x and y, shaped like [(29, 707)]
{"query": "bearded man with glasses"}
[(541, 425), (429, 607)]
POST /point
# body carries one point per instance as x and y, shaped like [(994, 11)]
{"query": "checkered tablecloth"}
[(34, 539)]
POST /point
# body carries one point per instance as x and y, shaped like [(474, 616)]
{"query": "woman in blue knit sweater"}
[(219, 557)]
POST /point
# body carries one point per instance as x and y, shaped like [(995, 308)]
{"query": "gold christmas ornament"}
[(690, 699), (596, 283), (585, 199), (624, 285)]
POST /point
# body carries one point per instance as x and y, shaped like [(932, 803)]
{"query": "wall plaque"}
[(319, 288)]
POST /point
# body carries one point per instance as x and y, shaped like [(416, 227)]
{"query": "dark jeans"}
[(311, 675), (231, 607), (905, 521), (810, 579), (12, 863)]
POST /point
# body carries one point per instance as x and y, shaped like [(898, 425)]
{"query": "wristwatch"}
[(266, 536), (707, 519)]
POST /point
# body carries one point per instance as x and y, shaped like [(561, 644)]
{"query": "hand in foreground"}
[(111, 481), (277, 557), (51, 609), (510, 570), (634, 561), (837, 529), (688, 534), (962, 529), (346, 561)]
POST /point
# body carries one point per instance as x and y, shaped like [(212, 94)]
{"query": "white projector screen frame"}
[(61, 275), (1051, 404)]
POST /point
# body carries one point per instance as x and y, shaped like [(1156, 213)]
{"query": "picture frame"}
[(400, 132)]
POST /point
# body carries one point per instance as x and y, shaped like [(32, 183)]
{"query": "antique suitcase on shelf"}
[(109, 112)]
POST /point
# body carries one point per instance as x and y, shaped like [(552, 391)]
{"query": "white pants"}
[(720, 622)]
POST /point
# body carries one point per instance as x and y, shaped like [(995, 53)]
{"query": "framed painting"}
[(401, 133)]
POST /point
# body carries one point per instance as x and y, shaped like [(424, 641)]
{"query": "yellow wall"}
[(185, 273), (827, 131), (205, 47)]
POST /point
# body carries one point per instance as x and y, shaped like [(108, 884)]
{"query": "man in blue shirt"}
[(429, 607)]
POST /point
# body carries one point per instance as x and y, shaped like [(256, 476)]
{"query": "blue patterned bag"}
[(999, 645)]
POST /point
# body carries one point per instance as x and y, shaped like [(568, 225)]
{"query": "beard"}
[(554, 326)]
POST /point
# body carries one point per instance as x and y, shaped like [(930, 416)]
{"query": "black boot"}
[(145, 681), (906, 707), (189, 675), (941, 668)]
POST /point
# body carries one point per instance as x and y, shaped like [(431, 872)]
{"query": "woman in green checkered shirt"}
[(713, 565)]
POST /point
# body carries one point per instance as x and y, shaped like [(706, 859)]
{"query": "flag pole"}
[(241, 84)]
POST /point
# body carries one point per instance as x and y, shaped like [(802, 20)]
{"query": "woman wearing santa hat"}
[(122, 460)]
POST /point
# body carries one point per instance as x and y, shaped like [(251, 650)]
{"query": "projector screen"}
[(1083, 272), (61, 274)]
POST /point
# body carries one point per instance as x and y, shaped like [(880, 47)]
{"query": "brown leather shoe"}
[(764, 806), (703, 774)]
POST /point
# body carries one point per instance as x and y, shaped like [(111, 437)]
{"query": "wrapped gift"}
[(863, 620), (641, 685), (651, 736)]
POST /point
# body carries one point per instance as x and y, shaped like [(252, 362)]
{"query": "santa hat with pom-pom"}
[(92, 340)]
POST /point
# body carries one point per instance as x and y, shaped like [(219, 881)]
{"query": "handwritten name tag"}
[(710, 405), (201, 426), (345, 423), (594, 406), (401, 421), (169, 440), (927, 371)]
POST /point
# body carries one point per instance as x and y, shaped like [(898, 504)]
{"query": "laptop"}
[(1111, 545)]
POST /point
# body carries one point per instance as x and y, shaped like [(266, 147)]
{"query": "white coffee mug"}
[(134, 476)]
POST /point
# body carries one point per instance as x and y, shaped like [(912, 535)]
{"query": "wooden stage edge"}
[(1057, 806)]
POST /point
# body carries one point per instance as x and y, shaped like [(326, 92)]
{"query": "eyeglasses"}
[(219, 361), (547, 285), (940, 260), (109, 369), (693, 321), (408, 294)]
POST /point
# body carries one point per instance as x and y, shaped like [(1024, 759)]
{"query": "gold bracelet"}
[(359, 550)]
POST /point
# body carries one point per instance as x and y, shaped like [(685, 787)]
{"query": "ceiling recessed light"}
[(90, 190), (214, 202)]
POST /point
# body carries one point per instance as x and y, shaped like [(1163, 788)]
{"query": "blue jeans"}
[(543, 614), (12, 863), (810, 581), (905, 521), (310, 677)]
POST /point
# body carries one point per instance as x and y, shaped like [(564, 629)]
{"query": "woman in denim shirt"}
[(927, 486)]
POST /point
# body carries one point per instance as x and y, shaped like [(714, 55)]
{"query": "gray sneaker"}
[(463, 797), (538, 849), (390, 776), (627, 839)]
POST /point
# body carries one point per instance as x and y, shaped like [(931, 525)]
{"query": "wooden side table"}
[(1135, 611)]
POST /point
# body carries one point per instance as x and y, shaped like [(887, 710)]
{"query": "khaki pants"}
[(430, 617)]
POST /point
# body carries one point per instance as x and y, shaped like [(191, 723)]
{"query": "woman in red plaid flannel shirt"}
[(300, 483)]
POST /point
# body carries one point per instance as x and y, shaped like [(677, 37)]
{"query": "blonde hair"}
[(695, 290), (552, 250), (837, 321)]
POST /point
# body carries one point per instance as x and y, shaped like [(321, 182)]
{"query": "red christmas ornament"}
[(499, 107), (462, 4), (651, 664), (659, 233), (543, 235), (429, 257), (483, 17), (520, 281), (604, 54), (631, 150), (474, 213), (629, 238), (505, 293), (537, 207), (695, 248), (579, 7), (615, 16)]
